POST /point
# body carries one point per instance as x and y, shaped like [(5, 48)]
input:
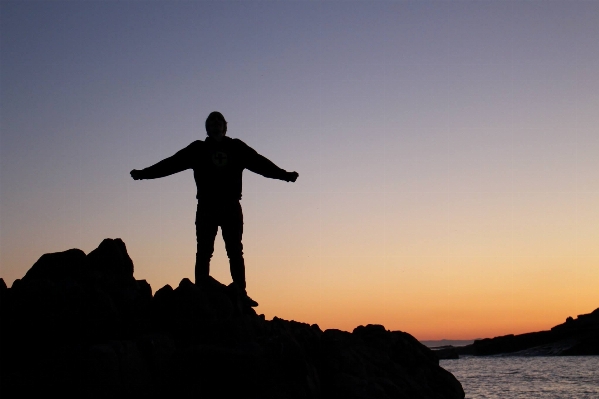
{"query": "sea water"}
[(512, 377)]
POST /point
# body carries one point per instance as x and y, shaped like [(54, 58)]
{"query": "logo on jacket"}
[(219, 159)]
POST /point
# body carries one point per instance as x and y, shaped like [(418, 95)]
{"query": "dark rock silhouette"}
[(82, 325), (446, 352), (575, 337), (58, 266)]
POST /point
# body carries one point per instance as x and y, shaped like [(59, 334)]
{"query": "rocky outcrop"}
[(445, 352), (80, 324), (575, 337)]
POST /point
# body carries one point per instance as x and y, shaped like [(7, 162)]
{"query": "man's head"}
[(216, 125)]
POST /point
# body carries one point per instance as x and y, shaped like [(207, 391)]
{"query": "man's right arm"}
[(171, 165)]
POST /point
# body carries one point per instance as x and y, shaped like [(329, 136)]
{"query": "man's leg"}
[(206, 228), (232, 229)]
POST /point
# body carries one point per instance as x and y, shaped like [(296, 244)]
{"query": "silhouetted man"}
[(218, 163)]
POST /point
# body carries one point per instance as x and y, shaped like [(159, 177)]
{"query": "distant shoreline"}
[(447, 342)]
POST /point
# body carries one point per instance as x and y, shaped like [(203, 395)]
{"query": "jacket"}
[(217, 167)]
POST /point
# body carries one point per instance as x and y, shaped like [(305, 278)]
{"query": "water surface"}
[(567, 377)]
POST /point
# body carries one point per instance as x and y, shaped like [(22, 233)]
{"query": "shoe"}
[(249, 302)]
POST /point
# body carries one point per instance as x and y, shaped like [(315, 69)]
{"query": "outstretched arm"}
[(259, 164), (166, 167)]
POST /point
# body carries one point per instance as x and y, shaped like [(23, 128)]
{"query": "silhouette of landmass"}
[(575, 337), (446, 342), (80, 324)]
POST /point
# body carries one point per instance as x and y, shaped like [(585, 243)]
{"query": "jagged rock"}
[(144, 289), (111, 260), (582, 322), (3, 293), (83, 325), (112, 272), (375, 363), (68, 264)]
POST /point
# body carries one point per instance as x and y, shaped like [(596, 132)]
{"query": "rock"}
[(446, 352), (83, 325), (157, 349), (582, 322), (144, 289), (69, 264), (112, 272), (111, 260), (375, 363), (586, 345), (143, 297), (217, 371), (163, 293), (575, 337), (3, 293), (550, 349)]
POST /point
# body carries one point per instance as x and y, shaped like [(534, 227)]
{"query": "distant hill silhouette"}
[(446, 342), (82, 325), (575, 337)]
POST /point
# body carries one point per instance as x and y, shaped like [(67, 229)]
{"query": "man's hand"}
[(136, 174), (291, 177)]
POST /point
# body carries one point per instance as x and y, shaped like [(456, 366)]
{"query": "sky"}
[(448, 152)]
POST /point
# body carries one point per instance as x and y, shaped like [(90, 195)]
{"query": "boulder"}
[(111, 260), (112, 272), (56, 266)]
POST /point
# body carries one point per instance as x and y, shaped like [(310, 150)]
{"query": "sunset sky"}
[(448, 152)]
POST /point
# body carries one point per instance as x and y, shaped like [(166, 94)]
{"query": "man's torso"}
[(218, 168)]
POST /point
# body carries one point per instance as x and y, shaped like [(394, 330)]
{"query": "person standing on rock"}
[(218, 163)]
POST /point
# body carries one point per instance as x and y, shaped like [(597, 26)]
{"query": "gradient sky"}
[(448, 152)]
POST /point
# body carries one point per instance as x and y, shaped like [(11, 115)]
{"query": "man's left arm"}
[(263, 166)]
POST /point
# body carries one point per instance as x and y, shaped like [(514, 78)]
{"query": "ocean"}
[(494, 377)]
